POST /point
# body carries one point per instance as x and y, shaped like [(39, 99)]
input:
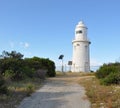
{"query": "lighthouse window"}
[(78, 32), (78, 44)]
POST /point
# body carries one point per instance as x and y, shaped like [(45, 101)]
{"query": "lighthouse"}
[(81, 59)]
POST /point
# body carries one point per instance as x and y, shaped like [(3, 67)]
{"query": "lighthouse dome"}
[(80, 24)]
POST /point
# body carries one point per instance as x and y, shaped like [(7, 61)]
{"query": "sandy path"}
[(57, 93)]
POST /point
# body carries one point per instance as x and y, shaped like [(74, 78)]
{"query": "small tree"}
[(12, 54), (11, 63)]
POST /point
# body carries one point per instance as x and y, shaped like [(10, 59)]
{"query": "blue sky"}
[(45, 28)]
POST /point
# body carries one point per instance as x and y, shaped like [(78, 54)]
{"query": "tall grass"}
[(101, 96), (17, 91)]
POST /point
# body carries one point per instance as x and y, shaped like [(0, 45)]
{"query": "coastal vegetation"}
[(19, 77), (109, 74)]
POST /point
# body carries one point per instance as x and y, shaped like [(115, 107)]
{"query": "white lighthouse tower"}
[(80, 60)]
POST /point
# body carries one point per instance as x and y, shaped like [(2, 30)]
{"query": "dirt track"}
[(58, 93)]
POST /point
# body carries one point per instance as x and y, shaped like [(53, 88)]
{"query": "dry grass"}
[(17, 91), (73, 74), (99, 95)]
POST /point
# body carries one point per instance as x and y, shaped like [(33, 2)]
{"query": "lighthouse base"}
[(80, 69)]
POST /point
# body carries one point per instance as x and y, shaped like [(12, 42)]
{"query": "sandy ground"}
[(58, 93)]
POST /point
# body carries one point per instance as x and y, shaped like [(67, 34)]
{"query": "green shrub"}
[(28, 72), (30, 89), (8, 74), (13, 67), (109, 73), (41, 63), (112, 78), (51, 69), (3, 88), (107, 69)]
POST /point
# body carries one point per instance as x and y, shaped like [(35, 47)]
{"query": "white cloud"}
[(24, 44)]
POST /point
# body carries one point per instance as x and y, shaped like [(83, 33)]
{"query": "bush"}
[(30, 89), (8, 74), (3, 88), (41, 73), (13, 67), (41, 63), (51, 69), (109, 73), (28, 72), (112, 78), (105, 70)]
